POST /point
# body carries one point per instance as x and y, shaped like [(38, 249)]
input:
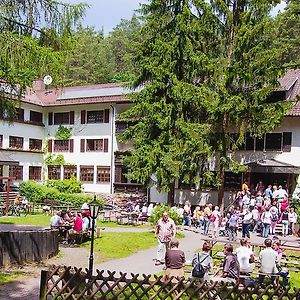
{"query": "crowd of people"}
[(237, 262), (259, 210)]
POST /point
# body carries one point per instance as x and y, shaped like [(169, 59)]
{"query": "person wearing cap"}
[(165, 230)]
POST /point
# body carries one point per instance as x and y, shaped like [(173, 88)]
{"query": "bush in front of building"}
[(160, 209), (71, 186), (37, 193)]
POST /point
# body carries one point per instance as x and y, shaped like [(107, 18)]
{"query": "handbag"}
[(198, 270), (212, 218)]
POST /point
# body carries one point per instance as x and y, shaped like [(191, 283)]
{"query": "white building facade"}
[(92, 152)]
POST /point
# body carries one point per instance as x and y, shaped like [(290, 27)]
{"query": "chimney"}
[(38, 85)]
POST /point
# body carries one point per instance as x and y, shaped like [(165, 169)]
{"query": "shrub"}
[(160, 209), (38, 193), (71, 185)]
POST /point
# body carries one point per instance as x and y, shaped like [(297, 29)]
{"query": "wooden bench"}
[(79, 237)]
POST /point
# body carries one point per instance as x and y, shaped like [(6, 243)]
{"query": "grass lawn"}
[(114, 245), (34, 220), (9, 277), (42, 220)]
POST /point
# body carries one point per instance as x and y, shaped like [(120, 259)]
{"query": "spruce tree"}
[(208, 69)]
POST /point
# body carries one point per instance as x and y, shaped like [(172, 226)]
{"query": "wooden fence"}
[(17, 247), (67, 283)]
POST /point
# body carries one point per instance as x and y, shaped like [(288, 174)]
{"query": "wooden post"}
[(7, 194), (43, 285)]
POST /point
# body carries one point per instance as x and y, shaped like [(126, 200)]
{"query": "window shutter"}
[(50, 118), (287, 142), (83, 117), (82, 145), (50, 146), (105, 145), (71, 117), (71, 145), (106, 116)]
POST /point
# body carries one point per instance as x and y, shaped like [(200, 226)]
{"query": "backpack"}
[(198, 270)]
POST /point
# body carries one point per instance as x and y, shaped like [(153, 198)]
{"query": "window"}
[(61, 145), (249, 142), (35, 144), (62, 118), (100, 145), (16, 142), (1, 171), (35, 173), (87, 173), (36, 116), (54, 172), (260, 143), (19, 116), (95, 116), (70, 171), (103, 174), (16, 171), (94, 145), (273, 141), (1, 140)]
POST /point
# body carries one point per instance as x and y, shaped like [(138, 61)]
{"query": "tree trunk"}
[(171, 194), (221, 189)]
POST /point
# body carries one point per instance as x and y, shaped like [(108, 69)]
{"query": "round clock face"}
[(47, 79)]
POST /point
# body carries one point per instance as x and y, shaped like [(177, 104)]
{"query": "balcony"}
[(123, 187)]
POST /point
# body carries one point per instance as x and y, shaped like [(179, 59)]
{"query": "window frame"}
[(61, 118), (95, 117), (35, 147), (67, 173), (16, 142), (35, 173), (54, 171), (87, 176), (16, 171), (65, 147), (103, 177)]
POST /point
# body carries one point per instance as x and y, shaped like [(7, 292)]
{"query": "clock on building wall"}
[(47, 79)]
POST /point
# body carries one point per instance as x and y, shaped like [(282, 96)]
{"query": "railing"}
[(68, 283)]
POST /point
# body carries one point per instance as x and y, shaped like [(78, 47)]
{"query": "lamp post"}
[(94, 211)]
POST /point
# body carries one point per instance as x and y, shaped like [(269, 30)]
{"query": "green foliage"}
[(91, 60), (28, 51), (208, 69), (288, 33), (71, 186), (63, 133), (160, 209), (55, 159), (37, 193)]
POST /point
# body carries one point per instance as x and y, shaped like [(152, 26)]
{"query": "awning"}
[(6, 160), (272, 166)]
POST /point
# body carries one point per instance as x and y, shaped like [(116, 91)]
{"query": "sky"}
[(107, 14)]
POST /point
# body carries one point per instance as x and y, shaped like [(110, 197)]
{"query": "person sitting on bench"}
[(269, 262)]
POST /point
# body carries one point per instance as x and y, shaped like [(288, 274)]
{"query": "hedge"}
[(38, 193)]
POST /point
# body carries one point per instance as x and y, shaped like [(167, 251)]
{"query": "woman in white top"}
[(215, 219), (266, 219), (292, 219)]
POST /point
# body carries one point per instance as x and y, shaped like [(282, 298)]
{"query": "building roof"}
[(100, 93), (272, 166), (117, 93)]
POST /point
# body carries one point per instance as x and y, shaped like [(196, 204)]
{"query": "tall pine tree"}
[(208, 68)]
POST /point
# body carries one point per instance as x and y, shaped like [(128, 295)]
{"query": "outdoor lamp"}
[(94, 208), (94, 211)]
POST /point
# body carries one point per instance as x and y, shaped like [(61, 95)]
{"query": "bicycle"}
[(13, 210)]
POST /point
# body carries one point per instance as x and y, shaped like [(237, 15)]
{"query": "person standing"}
[(207, 214), (187, 214), (274, 217), (246, 223), (266, 219), (165, 230), (233, 226), (293, 220), (255, 218), (215, 219), (284, 219)]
